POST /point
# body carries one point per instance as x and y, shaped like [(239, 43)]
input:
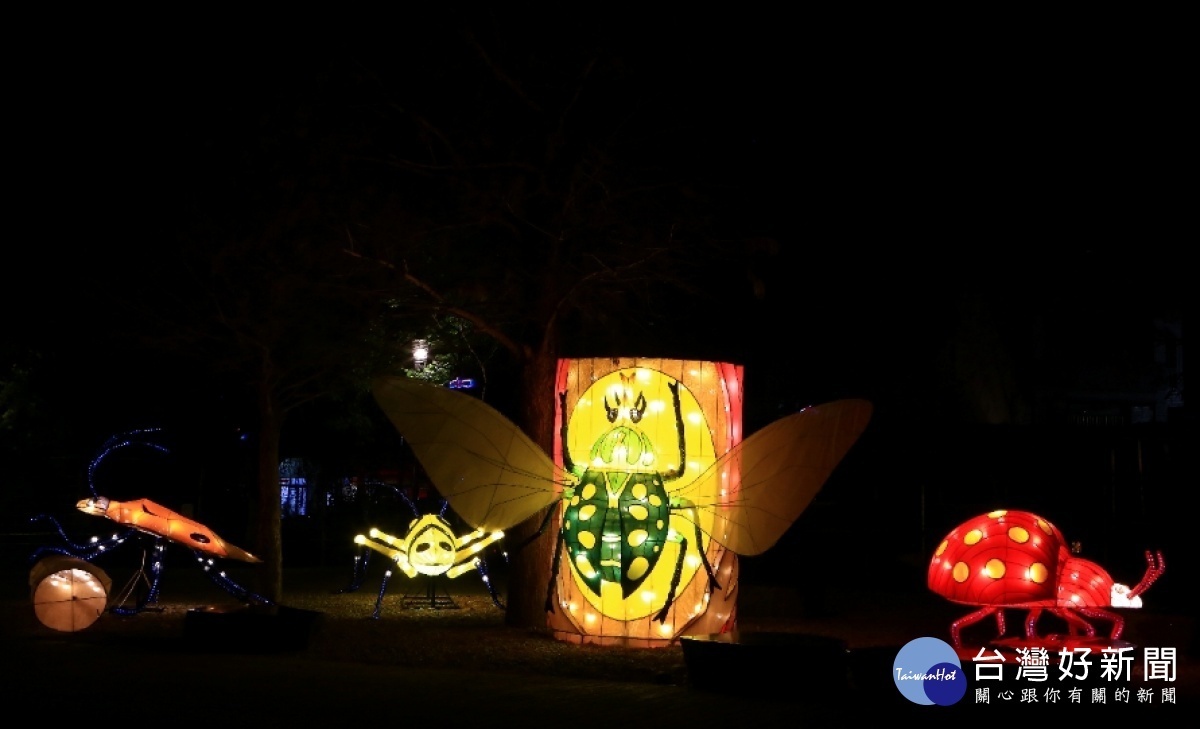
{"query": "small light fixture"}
[(420, 353)]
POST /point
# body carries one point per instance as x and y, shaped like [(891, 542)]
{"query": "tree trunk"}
[(529, 567), (269, 512)]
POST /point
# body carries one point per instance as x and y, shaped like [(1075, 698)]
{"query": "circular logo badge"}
[(927, 671)]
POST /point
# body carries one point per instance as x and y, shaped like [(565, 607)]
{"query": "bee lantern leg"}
[(382, 590), (967, 621), (360, 572), (487, 581)]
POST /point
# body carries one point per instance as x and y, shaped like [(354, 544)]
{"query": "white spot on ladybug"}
[(1018, 535), (994, 569), (961, 572), (973, 537)]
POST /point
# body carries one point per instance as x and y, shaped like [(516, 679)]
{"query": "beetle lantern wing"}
[(776, 472), (492, 474)]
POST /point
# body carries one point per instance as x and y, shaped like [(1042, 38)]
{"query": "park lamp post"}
[(420, 353)]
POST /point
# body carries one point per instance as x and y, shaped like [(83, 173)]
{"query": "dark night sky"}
[(902, 171)]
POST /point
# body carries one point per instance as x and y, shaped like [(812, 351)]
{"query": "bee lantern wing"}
[(772, 476), (489, 471)]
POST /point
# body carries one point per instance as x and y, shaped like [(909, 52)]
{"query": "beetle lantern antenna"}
[(1155, 566), (445, 505)]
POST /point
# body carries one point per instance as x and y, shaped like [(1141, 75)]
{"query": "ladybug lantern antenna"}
[(1155, 566)]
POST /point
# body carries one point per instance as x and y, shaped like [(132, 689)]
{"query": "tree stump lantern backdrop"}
[(623, 438)]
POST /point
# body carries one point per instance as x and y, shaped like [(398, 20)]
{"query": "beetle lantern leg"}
[(568, 464), (661, 617), (558, 545), (712, 577), (1001, 623)]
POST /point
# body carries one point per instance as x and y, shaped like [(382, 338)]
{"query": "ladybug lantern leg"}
[(1031, 622), (967, 621), (1076, 624), (1118, 622)]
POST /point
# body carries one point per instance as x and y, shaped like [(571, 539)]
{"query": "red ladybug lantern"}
[(1018, 560)]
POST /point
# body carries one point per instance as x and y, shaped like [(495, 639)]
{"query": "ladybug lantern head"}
[(1121, 596)]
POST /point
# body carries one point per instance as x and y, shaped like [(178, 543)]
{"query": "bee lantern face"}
[(431, 549)]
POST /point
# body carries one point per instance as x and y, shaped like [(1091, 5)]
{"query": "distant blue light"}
[(461, 383)]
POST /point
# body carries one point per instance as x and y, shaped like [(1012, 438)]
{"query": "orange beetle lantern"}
[(159, 521)]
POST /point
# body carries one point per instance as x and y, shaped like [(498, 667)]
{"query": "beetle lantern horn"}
[(1155, 566)]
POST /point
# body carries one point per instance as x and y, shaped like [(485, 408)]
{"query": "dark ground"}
[(321, 656)]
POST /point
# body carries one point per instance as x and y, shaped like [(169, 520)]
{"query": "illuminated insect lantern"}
[(1018, 560), (428, 548), (636, 441), (159, 521), (141, 518), (659, 492)]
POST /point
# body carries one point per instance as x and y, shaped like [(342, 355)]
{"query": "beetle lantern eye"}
[(638, 409), (610, 410)]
